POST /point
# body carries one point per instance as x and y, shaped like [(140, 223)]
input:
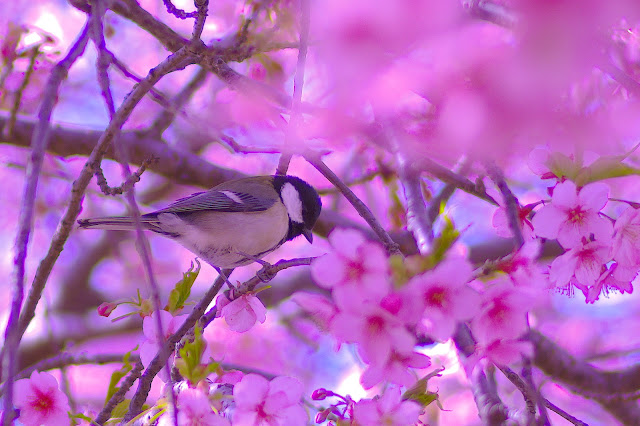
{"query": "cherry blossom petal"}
[(328, 270), (594, 196), (291, 387), (251, 391), (564, 194), (547, 221), (346, 242)]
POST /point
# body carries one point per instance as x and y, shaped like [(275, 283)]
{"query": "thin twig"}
[(129, 182), (292, 133), (528, 394), (240, 149), (268, 271), (14, 330), (271, 270), (168, 115), (525, 390), (7, 131), (510, 200), (154, 93), (450, 177), (202, 9), (103, 59), (367, 177), (568, 417), (177, 12), (362, 209)]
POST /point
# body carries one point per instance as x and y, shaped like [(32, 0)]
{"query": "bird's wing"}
[(219, 201)]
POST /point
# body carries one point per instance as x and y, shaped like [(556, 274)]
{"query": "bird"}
[(234, 223)]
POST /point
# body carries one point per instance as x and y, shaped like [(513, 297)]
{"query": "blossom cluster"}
[(600, 254), (384, 319)]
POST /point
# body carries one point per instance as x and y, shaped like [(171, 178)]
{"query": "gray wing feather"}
[(217, 200)]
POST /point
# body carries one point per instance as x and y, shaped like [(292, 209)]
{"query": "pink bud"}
[(322, 415), (319, 394), (105, 309)]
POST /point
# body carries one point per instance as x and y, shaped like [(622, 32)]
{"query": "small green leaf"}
[(117, 375), (443, 242), (182, 289), (81, 416), (419, 393), (399, 270), (190, 363)]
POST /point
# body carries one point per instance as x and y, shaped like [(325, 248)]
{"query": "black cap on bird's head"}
[(302, 203)]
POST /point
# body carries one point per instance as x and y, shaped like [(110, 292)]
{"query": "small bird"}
[(234, 223)]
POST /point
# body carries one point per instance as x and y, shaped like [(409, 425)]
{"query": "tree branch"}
[(40, 139), (362, 209)]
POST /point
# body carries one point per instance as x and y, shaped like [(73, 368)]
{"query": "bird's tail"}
[(119, 223)]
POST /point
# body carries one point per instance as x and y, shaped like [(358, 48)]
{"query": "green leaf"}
[(399, 270), (190, 364), (182, 289), (606, 167), (121, 409), (81, 416), (117, 375), (443, 242), (419, 393), (564, 166)]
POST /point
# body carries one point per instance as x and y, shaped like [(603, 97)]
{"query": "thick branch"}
[(180, 166), (583, 378)]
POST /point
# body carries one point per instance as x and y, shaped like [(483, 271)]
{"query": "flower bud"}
[(319, 394)]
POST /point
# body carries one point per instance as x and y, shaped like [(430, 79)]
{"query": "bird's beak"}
[(308, 235)]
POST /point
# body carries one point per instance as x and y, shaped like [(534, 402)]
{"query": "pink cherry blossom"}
[(194, 409), (523, 267), (395, 368), (572, 216), (500, 222), (356, 269), (616, 278), (242, 313), (372, 327), (503, 313), (388, 409), (260, 402), (626, 238), (40, 401), (502, 351), (584, 262), (151, 345), (445, 296), (319, 307)]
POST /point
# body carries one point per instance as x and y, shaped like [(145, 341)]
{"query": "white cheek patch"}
[(291, 200), (233, 197)]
